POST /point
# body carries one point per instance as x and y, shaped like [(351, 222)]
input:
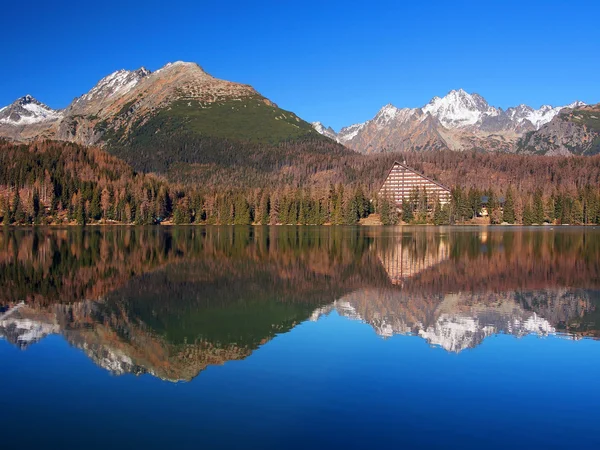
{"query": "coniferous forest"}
[(50, 182)]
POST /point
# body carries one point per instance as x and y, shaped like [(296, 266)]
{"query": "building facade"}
[(402, 181)]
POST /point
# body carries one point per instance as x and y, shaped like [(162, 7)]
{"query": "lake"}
[(296, 337)]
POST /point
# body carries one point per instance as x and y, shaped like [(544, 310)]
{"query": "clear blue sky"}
[(337, 62)]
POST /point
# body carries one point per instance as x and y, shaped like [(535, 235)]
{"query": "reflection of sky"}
[(327, 384)]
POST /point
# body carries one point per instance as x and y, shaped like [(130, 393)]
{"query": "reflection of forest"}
[(172, 301)]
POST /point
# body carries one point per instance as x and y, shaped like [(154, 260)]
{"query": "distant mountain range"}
[(180, 114), (463, 121)]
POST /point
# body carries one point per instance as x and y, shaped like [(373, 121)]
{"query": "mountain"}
[(27, 110), (27, 118), (458, 121), (460, 321), (575, 130), (178, 116), (397, 129)]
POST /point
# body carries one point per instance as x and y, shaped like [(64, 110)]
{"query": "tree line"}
[(51, 182)]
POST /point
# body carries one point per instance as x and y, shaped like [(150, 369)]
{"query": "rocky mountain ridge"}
[(571, 132), (457, 121), (26, 111)]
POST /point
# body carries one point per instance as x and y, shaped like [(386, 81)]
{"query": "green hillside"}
[(246, 132)]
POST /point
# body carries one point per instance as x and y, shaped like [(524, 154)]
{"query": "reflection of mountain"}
[(170, 302), (24, 326), (463, 320), (213, 303)]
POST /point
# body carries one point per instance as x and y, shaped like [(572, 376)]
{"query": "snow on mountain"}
[(325, 131), (575, 104), (348, 133), (24, 331), (117, 83), (389, 113), (460, 109), (455, 324), (457, 121), (26, 111), (384, 117), (537, 117)]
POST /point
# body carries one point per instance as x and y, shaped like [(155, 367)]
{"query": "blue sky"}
[(337, 62)]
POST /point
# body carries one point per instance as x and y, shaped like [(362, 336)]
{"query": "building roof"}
[(416, 173)]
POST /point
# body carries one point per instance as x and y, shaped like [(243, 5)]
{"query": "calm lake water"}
[(295, 337)]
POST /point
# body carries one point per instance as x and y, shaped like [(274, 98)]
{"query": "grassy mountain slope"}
[(241, 132)]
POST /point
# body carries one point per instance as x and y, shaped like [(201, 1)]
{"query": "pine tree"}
[(437, 212), (577, 212), (81, 212), (263, 208), (95, 206), (387, 212), (242, 211), (351, 215), (18, 211), (538, 208), (407, 211), (274, 210), (508, 214), (527, 214), (36, 207)]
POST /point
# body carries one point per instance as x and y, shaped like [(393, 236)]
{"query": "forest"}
[(50, 182)]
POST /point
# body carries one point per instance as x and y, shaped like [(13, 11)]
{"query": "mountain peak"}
[(27, 110), (182, 65), (116, 84), (576, 104), (459, 109)]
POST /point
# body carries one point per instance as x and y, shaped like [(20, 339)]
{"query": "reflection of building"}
[(402, 181), (405, 259)]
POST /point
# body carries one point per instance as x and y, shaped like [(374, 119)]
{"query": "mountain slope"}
[(179, 115), (572, 131)]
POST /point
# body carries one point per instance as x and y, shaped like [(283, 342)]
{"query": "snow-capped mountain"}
[(26, 111), (346, 134), (456, 322), (457, 121), (23, 330), (459, 109), (325, 131), (114, 85)]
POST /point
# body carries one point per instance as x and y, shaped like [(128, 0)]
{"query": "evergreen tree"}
[(538, 208), (351, 214), (387, 211), (508, 214), (527, 214), (338, 207), (36, 207), (242, 211), (437, 212), (558, 207), (81, 212), (274, 210), (263, 208), (95, 206), (577, 212), (407, 211), (18, 214)]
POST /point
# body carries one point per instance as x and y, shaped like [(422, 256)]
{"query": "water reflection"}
[(171, 302)]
